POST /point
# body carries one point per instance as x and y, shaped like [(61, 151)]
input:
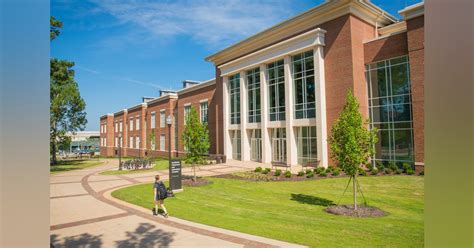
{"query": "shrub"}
[(380, 165), (319, 170), (336, 172), (310, 174), (265, 172), (277, 172), (406, 167), (410, 172), (300, 173), (268, 170), (329, 169), (392, 166), (258, 169), (309, 171), (387, 171), (323, 174), (287, 174), (369, 166), (399, 171), (374, 171), (362, 172), (422, 173)]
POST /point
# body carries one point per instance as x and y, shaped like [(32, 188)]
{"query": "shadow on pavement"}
[(145, 235)]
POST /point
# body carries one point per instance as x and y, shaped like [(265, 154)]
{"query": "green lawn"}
[(160, 164), (68, 165), (293, 211)]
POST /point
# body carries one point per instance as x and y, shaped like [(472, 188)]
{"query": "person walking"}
[(160, 193)]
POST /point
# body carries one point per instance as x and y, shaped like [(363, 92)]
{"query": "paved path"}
[(83, 214)]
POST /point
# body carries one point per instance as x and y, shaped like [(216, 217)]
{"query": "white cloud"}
[(214, 23)]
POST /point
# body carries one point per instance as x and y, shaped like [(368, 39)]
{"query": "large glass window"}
[(162, 118), (276, 90), (390, 109), (307, 145), (137, 142), (162, 142), (153, 120), (204, 107), (304, 88), (236, 145), (253, 95), (256, 145), (279, 145), (131, 124), (187, 112), (234, 92)]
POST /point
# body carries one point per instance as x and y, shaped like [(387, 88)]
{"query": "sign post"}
[(175, 175)]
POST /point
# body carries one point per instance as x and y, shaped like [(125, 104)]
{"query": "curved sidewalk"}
[(83, 213)]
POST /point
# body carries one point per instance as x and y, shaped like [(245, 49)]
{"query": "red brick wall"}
[(386, 48), (415, 40), (194, 97), (168, 106)]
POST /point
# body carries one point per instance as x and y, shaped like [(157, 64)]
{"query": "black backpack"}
[(162, 191)]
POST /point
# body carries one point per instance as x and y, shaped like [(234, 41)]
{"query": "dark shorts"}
[(157, 198)]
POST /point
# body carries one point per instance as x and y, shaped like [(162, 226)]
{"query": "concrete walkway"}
[(83, 214)]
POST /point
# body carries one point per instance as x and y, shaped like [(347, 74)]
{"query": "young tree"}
[(196, 140), (352, 144), (66, 104)]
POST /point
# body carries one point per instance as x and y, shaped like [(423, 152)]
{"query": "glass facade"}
[(390, 109), (234, 92), (304, 87), (279, 145), (276, 90), (307, 145), (253, 95)]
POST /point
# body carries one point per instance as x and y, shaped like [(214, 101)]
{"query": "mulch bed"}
[(362, 211), (256, 177), (189, 182)]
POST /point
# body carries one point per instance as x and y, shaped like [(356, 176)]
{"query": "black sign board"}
[(175, 174)]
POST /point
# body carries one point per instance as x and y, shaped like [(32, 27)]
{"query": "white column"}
[(291, 151), (226, 117), (245, 152), (320, 88), (266, 143)]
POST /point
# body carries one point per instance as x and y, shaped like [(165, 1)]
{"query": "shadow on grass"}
[(145, 235), (312, 200)]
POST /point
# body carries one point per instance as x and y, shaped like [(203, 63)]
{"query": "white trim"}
[(205, 100), (320, 88), (186, 104), (383, 37), (276, 124), (304, 122), (394, 28), (197, 86), (255, 125), (234, 127), (413, 11), (277, 51)]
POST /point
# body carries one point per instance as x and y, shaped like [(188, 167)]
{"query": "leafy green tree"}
[(66, 104), (55, 26), (196, 140), (352, 144), (152, 140)]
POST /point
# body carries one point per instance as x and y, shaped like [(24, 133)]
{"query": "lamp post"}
[(169, 121), (120, 151)]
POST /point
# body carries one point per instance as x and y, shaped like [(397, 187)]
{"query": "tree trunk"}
[(194, 169), (53, 155), (355, 192)]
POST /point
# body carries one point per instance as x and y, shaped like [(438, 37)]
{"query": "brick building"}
[(277, 93)]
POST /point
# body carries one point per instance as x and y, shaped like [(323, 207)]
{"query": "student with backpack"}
[(161, 194)]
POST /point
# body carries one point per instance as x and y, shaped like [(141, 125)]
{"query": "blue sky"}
[(124, 50)]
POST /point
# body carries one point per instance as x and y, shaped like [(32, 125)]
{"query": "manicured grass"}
[(160, 164), (294, 211), (68, 165)]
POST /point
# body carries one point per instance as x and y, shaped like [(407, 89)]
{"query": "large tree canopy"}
[(66, 104)]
